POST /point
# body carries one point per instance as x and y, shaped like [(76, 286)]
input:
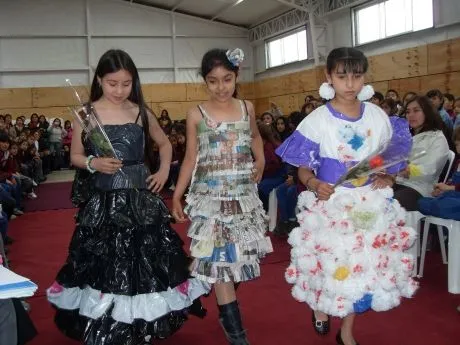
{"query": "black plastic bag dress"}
[(126, 278)]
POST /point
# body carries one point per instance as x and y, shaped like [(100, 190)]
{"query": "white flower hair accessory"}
[(326, 91), (366, 93), (235, 56)]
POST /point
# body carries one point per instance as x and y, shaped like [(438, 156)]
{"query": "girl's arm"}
[(257, 145), (78, 156), (158, 180), (308, 179), (188, 164)]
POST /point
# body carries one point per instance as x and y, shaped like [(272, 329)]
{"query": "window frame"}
[(280, 37), (354, 20)]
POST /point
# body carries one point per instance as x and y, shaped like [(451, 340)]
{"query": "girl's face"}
[(23, 145), (8, 119), (457, 107), (415, 115), (41, 119), (173, 141), (448, 105), (221, 84), (280, 126), (393, 95), (67, 125), (181, 139), (56, 123), (34, 118), (19, 122), (14, 150), (117, 86), (457, 146), (346, 85), (267, 119)]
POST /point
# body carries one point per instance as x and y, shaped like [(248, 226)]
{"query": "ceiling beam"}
[(303, 5), (176, 6), (225, 9)]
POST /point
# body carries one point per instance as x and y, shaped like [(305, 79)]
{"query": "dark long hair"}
[(433, 120), (218, 58), (113, 61)]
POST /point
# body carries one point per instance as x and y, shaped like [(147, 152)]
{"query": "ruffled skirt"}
[(348, 255), (228, 236), (126, 279)]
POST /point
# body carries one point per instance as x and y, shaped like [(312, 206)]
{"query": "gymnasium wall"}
[(418, 69)]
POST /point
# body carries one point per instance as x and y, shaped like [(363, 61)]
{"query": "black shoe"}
[(230, 319), (338, 338), (292, 224), (321, 327), (281, 229)]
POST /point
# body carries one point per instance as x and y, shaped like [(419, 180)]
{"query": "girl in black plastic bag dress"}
[(126, 279)]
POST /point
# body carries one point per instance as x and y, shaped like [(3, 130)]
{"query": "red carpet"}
[(51, 196), (271, 315)]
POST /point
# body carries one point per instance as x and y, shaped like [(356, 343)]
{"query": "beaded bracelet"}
[(88, 164), (308, 180)]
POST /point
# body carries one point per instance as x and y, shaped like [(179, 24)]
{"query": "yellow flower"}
[(358, 182), (341, 273), (414, 170)]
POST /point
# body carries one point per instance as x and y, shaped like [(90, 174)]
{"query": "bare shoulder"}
[(250, 107), (194, 115)]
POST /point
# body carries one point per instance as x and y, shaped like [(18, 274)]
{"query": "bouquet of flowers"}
[(85, 114), (387, 158)]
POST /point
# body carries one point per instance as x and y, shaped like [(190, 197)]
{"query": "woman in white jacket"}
[(423, 170)]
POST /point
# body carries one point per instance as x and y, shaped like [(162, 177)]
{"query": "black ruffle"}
[(124, 245)]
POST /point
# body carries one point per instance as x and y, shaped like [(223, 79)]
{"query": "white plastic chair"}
[(272, 210), (450, 160), (453, 270), (413, 219)]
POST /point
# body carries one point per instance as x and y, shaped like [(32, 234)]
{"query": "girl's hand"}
[(323, 190), (258, 170), (177, 211), (440, 188), (157, 181), (382, 181), (106, 165)]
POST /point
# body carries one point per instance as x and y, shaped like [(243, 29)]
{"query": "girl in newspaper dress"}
[(228, 221), (348, 253), (126, 278)]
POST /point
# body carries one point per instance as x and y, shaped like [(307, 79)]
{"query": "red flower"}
[(376, 162)]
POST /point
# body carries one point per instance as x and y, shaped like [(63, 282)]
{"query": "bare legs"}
[(347, 329), (225, 293)]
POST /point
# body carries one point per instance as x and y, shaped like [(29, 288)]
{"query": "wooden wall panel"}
[(57, 96), (287, 103), (261, 105), (196, 92), (398, 64), (15, 98), (380, 86), (446, 82), (246, 91), (405, 85), (168, 92), (444, 56)]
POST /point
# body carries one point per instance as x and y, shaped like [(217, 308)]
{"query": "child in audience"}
[(33, 124), (377, 98), (282, 128), (14, 168), (66, 142), (389, 107), (457, 112), (228, 223), (437, 99), (337, 266), (448, 105), (56, 134)]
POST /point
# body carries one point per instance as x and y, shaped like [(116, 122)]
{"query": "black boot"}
[(230, 319)]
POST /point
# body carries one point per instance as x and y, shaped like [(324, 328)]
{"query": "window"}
[(389, 18), (289, 48)]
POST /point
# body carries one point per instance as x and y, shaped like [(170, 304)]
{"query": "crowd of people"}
[(29, 150)]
